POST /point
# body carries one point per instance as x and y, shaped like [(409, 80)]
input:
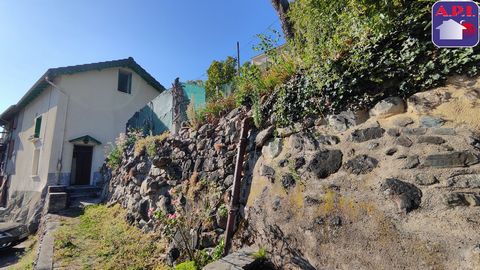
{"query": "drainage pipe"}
[(234, 204)]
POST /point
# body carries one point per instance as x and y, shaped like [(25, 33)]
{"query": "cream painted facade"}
[(74, 105), (96, 108)]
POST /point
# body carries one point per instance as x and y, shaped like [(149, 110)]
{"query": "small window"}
[(125, 81), (38, 127)]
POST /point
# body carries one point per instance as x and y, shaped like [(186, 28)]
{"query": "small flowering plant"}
[(176, 226)]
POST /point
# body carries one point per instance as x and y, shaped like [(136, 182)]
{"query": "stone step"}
[(77, 196), (81, 203), (241, 260), (57, 201), (88, 191), (55, 189)]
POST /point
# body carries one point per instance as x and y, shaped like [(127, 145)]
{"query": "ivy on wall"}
[(398, 61)]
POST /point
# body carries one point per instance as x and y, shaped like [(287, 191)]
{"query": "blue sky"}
[(169, 38)]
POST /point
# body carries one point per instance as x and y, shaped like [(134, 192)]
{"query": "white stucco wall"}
[(98, 109), (92, 105), (86, 103), (21, 163)]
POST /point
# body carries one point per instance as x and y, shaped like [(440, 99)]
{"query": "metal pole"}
[(234, 204), (238, 58)]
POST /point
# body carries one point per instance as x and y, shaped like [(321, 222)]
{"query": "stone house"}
[(56, 134)]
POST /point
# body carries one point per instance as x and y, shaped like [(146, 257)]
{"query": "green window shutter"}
[(38, 127)]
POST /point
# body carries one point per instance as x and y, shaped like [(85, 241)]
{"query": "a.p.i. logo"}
[(455, 24)]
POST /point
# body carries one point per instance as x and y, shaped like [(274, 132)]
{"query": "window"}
[(38, 127), (125, 81), (36, 161)]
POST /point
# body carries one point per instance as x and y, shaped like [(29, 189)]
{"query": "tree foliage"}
[(326, 30), (356, 52), (347, 55), (219, 73)]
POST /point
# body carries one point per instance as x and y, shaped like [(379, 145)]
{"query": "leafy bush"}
[(149, 144), (296, 99), (219, 74), (255, 82), (217, 252), (279, 72), (189, 265), (393, 56), (114, 158), (248, 85), (214, 110), (223, 210), (326, 30), (114, 152)]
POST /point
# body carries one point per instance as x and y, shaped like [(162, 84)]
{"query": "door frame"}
[(74, 181)]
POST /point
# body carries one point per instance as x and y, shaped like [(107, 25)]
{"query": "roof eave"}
[(8, 113)]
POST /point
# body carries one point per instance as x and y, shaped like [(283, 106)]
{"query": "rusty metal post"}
[(234, 204)]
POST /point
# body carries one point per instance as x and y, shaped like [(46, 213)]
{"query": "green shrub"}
[(189, 265), (114, 152), (248, 84), (223, 210), (217, 253), (326, 30), (149, 144), (219, 73), (261, 254), (214, 110), (297, 98), (114, 158), (257, 114), (393, 56)]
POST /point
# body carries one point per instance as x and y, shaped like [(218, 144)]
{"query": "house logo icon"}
[(455, 24)]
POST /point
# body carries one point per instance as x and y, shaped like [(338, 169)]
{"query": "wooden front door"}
[(82, 164)]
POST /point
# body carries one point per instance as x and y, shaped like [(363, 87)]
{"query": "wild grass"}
[(261, 254), (101, 239), (149, 144), (28, 257)]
